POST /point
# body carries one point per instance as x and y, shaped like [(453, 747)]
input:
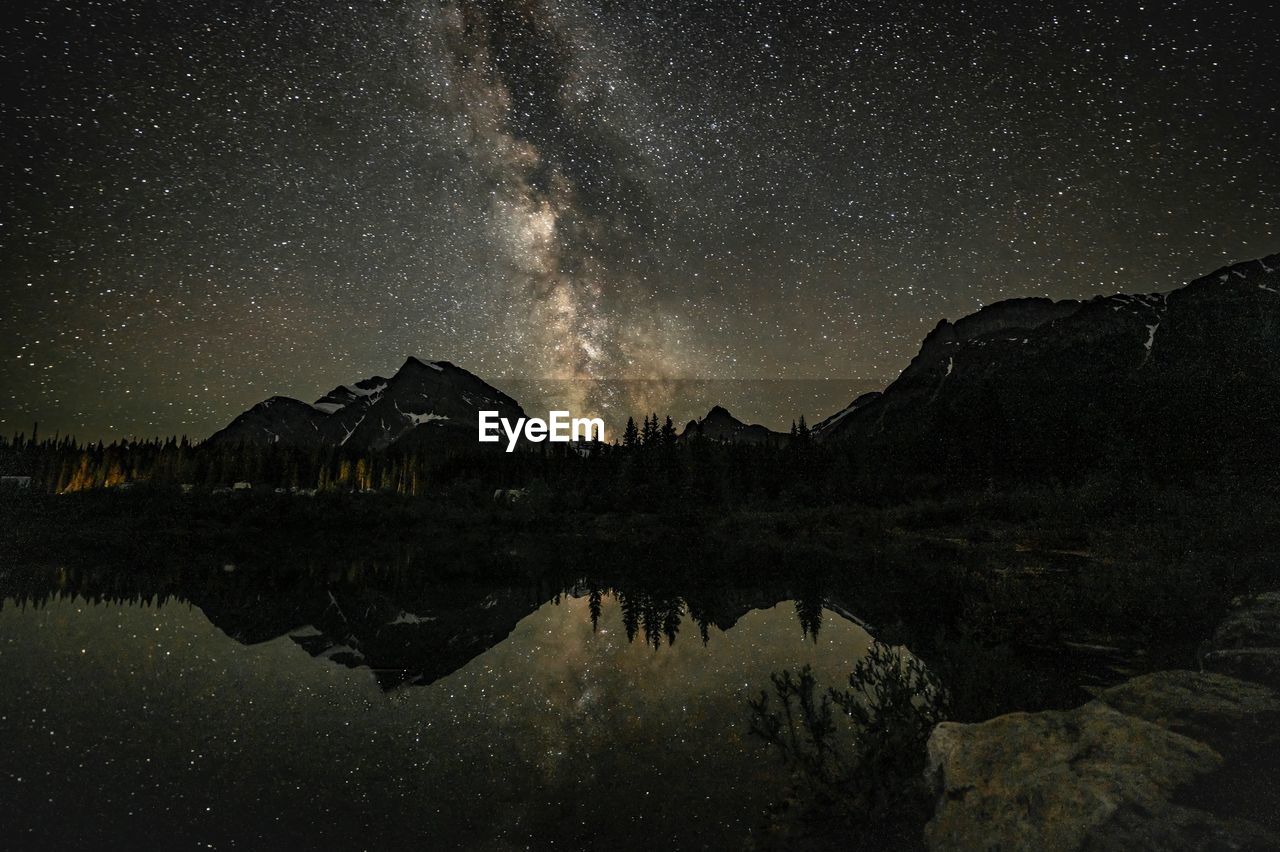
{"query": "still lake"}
[(244, 712)]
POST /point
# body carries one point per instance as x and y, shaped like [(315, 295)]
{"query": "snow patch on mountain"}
[(347, 437), (412, 618), (365, 391)]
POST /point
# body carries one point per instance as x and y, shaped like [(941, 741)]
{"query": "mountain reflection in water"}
[(242, 708)]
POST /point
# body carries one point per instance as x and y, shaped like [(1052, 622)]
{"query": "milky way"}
[(204, 204), (571, 216)]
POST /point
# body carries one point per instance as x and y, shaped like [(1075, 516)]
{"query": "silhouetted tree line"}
[(653, 468), (648, 467), (257, 604)]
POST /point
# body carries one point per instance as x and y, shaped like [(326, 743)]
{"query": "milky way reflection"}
[(151, 724)]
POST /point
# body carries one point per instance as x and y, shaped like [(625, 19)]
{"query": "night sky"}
[(206, 203), (556, 736)]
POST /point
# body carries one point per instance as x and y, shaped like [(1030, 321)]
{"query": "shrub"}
[(870, 775)]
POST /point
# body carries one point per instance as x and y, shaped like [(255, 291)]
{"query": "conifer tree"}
[(668, 433), (649, 433)]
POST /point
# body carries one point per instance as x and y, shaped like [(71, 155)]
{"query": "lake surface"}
[(242, 711)]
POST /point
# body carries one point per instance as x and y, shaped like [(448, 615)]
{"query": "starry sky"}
[(556, 736), (206, 203)]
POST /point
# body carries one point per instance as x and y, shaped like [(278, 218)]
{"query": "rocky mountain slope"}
[(720, 425), (424, 402), (1187, 381)]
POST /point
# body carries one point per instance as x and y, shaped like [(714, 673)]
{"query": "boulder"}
[(1247, 643), (1227, 713), (1091, 777), (1253, 623), (1257, 664), (1167, 760)]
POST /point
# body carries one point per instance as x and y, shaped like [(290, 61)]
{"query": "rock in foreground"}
[(1061, 780), (1247, 643), (1170, 760)]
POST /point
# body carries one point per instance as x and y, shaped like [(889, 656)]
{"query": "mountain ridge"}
[(422, 403), (719, 425), (1018, 378), (1030, 388)]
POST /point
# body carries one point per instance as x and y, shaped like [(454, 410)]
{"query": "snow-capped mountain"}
[(424, 402), (1032, 387), (830, 423), (414, 640)]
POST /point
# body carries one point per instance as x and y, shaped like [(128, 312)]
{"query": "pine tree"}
[(649, 432), (630, 435)]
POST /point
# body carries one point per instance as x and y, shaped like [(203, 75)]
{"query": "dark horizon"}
[(683, 398)]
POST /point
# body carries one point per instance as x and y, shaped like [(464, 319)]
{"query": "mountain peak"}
[(720, 425), (424, 402), (1089, 369), (415, 363), (859, 402)]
